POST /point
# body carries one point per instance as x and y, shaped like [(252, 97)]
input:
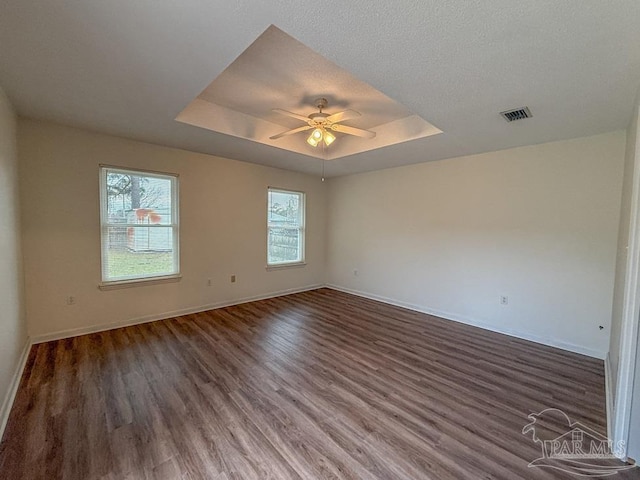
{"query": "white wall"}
[(538, 224), (13, 335), (223, 230)]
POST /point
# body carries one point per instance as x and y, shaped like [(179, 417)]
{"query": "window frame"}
[(301, 228), (133, 280)]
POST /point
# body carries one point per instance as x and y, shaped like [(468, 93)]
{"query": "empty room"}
[(342, 240)]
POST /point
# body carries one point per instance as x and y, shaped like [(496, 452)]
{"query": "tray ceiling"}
[(277, 71)]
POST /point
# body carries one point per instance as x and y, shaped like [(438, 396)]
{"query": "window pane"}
[(284, 245), (131, 252), (285, 209), (138, 198), (139, 224)]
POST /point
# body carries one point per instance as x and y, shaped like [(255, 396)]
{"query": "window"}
[(139, 224), (285, 225)]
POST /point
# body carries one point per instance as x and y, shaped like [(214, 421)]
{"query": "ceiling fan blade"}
[(291, 114), (358, 132), (291, 132), (342, 116)]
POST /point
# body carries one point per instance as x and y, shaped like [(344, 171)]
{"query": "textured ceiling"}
[(277, 71), (129, 68)]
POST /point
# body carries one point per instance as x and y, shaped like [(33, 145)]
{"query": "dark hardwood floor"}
[(313, 385)]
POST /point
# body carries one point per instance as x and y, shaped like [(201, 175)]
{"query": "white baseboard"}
[(13, 387), (74, 332), (475, 323), (608, 393)]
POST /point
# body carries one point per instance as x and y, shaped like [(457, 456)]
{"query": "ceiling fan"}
[(322, 123)]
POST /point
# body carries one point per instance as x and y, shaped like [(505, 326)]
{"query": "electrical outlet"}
[(233, 279), (209, 282), (504, 300), (71, 300), (355, 272)]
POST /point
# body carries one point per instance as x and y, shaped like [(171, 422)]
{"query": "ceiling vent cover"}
[(516, 114)]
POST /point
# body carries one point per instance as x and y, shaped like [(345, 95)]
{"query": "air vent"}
[(517, 114)]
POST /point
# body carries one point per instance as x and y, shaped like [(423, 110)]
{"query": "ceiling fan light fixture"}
[(321, 123), (312, 140), (328, 138), (316, 137)]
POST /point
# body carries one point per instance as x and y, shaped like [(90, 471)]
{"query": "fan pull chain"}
[(324, 155)]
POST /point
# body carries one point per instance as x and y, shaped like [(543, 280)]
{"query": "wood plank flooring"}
[(316, 385)]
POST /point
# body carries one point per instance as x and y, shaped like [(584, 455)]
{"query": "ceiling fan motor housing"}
[(318, 117), (321, 103)]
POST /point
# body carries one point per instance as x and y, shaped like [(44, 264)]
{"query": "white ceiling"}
[(128, 68)]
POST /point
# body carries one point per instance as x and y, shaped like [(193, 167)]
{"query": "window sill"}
[(138, 282), (284, 266)]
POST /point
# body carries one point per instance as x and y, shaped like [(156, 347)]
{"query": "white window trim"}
[(139, 282), (133, 281), (301, 228), (283, 266)]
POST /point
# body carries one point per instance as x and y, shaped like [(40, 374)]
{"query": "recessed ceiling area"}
[(277, 71), (130, 68)]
